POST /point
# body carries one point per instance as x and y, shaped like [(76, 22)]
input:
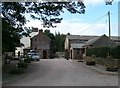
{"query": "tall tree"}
[(12, 22), (13, 18), (59, 42)]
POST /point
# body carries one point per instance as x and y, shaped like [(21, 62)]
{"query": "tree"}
[(13, 18), (57, 41), (108, 2), (12, 22), (48, 12)]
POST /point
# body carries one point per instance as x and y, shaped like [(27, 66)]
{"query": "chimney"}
[(40, 31)]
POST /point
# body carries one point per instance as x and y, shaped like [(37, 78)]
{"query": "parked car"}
[(29, 54), (35, 56)]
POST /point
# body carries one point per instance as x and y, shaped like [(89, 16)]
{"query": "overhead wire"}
[(106, 23), (93, 23)]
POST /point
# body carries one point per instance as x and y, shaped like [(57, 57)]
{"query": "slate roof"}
[(91, 41), (42, 35), (76, 45), (72, 37), (102, 42)]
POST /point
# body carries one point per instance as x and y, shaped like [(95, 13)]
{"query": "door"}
[(44, 54), (71, 54)]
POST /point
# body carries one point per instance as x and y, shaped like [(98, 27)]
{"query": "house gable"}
[(40, 41), (101, 41)]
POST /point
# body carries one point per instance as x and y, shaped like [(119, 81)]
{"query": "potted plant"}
[(111, 64), (27, 59), (91, 60), (22, 64)]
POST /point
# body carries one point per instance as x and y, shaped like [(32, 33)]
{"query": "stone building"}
[(75, 45), (41, 43), (100, 41)]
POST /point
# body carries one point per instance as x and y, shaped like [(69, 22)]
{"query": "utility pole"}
[(109, 23)]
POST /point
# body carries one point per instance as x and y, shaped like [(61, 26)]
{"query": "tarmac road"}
[(61, 72)]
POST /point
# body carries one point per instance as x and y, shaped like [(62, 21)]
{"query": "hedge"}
[(104, 51), (115, 52)]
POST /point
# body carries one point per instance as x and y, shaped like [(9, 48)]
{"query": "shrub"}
[(98, 51), (27, 60), (104, 51), (115, 52), (22, 64)]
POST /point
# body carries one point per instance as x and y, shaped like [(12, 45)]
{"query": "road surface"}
[(61, 72)]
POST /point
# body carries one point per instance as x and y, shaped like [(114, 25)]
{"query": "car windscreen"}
[(35, 54), (28, 54)]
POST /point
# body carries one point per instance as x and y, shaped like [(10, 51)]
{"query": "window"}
[(78, 51)]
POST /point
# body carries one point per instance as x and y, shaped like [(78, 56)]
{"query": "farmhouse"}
[(41, 43), (75, 45)]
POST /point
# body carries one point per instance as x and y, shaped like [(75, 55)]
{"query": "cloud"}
[(75, 27), (79, 28), (93, 2), (34, 23)]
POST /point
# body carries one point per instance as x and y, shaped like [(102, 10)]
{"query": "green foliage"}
[(115, 52), (27, 60), (22, 64), (13, 18), (104, 51), (57, 41), (49, 12), (12, 25)]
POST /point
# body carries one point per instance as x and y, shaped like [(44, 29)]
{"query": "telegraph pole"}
[(109, 23)]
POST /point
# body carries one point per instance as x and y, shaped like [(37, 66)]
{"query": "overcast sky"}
[(93, 22)]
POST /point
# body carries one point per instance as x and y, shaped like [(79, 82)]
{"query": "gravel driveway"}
[(61, 72)]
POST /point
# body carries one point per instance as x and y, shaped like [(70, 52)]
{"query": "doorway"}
[(44, 54), (71, 54)]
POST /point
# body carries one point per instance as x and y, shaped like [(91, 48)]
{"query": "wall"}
[(76, 53), (40, 43)]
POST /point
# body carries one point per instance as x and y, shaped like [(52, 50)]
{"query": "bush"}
[(104, 51), (22, 64), (27, 60), (17, 71), (115, 52)]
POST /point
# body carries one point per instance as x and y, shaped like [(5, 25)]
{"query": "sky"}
[(93, 22)]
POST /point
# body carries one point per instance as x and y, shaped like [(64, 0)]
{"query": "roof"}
[(88, 37), (42, 35), (72, 37), (76, 45), (101, 40), (91, 41)]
